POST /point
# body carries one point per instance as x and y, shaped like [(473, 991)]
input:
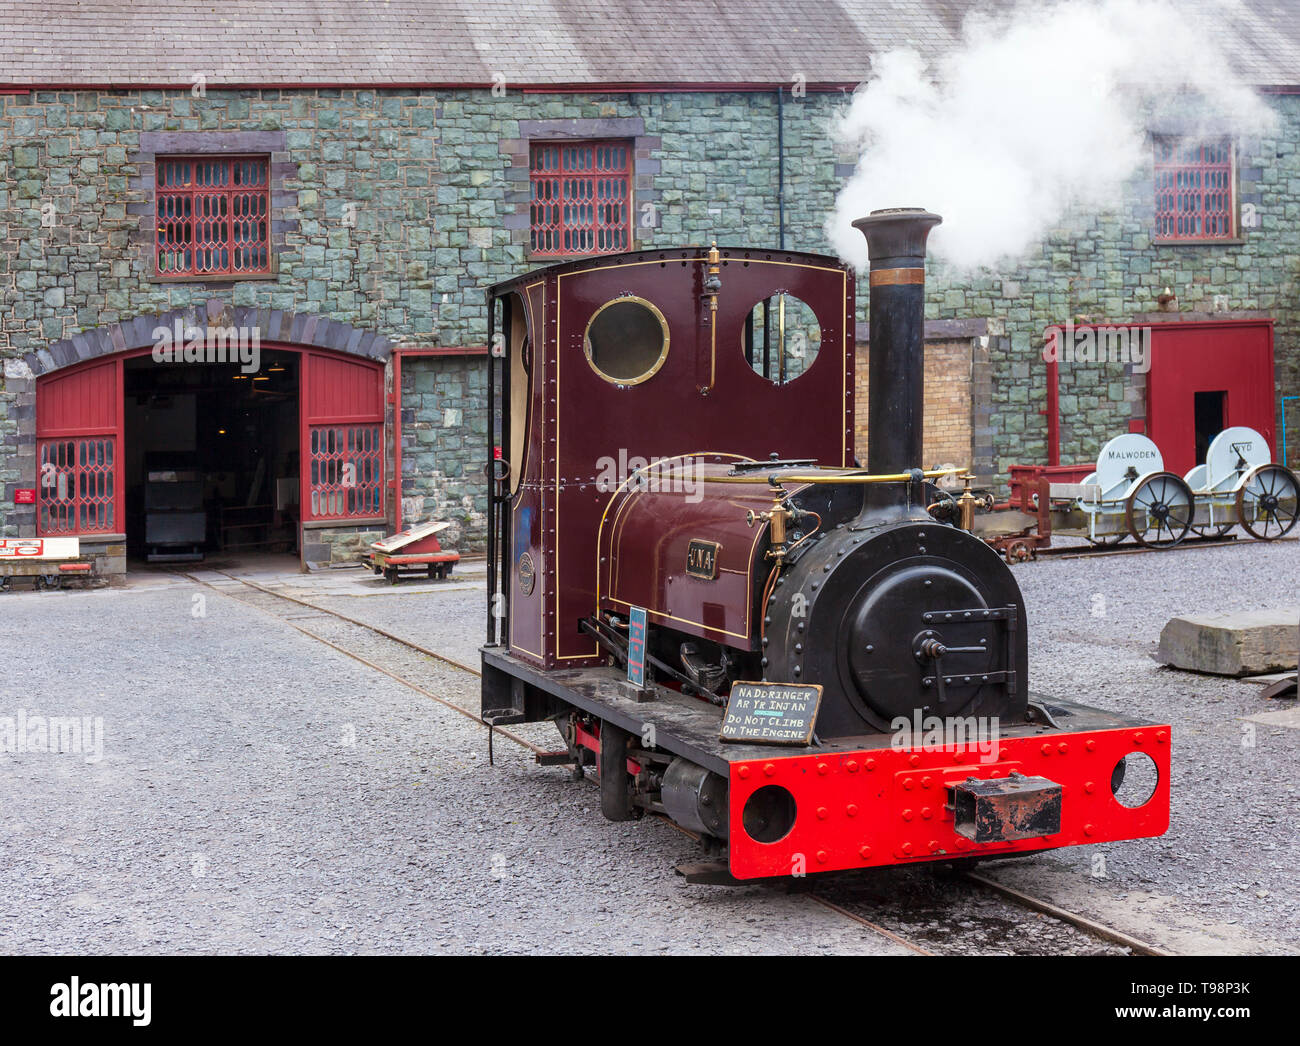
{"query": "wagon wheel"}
[(1275, 491), (391, 574), (1166, 502), (1018, 551)]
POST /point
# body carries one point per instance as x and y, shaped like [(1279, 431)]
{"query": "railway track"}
[(1091, 551), (411, 664)]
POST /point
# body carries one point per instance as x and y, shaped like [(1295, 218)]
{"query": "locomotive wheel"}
[(615, 786), (1165, 503), (1273, 490)]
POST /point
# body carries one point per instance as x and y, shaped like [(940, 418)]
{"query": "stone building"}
[(327, 195)]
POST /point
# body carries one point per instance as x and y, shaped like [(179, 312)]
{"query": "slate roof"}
[(470, 42)]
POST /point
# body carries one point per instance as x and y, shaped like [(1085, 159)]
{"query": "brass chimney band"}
[(888, 277)]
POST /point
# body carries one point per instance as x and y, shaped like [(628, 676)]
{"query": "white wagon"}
[(1240, 483), (1130, 493)]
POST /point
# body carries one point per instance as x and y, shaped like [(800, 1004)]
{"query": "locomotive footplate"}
[(873, 800)]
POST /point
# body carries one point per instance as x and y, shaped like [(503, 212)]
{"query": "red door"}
[(78, 450), (1205, 377), (342, 438)]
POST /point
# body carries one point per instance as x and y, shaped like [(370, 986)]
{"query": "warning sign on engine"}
[(771, 713)]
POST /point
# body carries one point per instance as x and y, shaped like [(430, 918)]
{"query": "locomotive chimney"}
[(896, 371)]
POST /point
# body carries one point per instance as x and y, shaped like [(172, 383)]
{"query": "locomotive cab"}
[(731, 620)]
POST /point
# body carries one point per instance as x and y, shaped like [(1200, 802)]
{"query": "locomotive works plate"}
[(771, 713), (702, 559)]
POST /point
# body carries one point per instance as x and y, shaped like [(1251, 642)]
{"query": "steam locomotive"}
[(799, 659)]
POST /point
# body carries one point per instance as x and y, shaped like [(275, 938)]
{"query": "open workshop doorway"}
[(212, 458)]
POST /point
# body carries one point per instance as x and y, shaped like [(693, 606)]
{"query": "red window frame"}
[(345, 471), (76, 485), (580, 197), (1195, 190), (213, 215)]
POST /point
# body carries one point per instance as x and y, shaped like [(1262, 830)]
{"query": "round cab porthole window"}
[(626, 341), (781, 337)]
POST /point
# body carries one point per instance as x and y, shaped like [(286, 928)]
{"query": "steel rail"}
[(1085, 552), (511, 735), (1091, 926)]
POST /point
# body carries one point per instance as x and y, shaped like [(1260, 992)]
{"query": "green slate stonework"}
[(392, 210)]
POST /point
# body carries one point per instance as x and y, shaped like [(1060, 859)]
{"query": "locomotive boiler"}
[(729, 618)]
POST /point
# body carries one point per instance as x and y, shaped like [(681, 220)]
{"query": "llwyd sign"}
[(40, 548)]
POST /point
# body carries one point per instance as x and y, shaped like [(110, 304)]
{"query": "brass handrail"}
[(835, 477)]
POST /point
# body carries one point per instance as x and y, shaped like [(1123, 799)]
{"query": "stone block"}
[(1241, 643)]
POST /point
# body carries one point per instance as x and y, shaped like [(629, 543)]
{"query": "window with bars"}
[(1194, 184), (347, 471), (213, 215), (76, 485), (581, 197)]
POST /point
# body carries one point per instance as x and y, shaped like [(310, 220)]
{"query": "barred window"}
[(213, 215), (581, 197), (347, 471), (76, 487), (1195, 190)]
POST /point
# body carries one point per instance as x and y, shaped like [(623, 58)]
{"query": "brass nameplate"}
[(702, 559)]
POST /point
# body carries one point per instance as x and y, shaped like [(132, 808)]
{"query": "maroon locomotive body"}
[(677, 519), (573, 429)]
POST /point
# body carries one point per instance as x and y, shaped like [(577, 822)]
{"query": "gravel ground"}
[(262, 793), (259, 792), (1221, 879)]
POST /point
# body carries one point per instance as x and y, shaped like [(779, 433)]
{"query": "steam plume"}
[(1040, 111)]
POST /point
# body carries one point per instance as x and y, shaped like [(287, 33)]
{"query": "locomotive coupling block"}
[(1005, 809)]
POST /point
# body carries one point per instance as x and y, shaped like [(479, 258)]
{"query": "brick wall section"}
[(394, 209), (947, 433)]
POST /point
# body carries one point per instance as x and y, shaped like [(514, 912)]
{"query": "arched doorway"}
[(177, 455)]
